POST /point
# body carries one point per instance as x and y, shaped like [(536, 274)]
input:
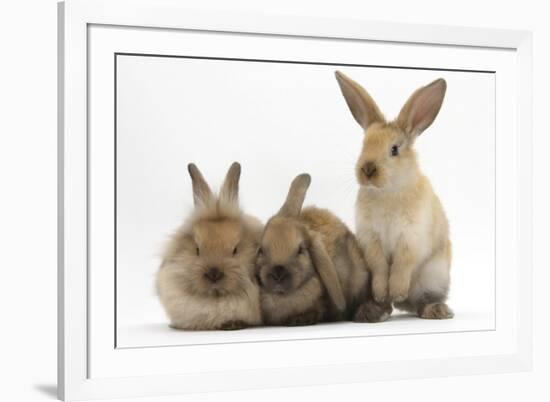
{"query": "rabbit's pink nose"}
[(214, 274), (369, 169)]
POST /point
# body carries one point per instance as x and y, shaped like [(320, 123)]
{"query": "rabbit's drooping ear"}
[(362, 106), (202, 195), (296, 195), (229, 193), (325, 268), (421, 109)]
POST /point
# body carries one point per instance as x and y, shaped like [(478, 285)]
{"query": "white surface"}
[(189, 369), (279, 120), (156, 334), (33, 35)]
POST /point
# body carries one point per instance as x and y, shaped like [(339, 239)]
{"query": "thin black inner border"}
[(129, 54)]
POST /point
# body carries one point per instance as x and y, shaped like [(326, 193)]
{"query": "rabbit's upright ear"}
[(362, 106), (296, 195), (229, 193), (326, 270), (422, 108), (202, 195)]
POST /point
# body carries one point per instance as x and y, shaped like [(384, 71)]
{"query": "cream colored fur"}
[(217, 235), (408, 230), (195, 312), (400, 222)]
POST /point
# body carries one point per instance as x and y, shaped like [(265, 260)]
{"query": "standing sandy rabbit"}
[(206, 280), (310, 266), (400, 221)]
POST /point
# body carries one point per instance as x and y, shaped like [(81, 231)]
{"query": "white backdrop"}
[(279, 120), (28, 171)]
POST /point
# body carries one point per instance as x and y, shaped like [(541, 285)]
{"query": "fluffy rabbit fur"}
[(206, 279), (309, 265), (400, 221)]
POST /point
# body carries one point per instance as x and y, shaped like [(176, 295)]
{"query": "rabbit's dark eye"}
[(235, 251), (394, 150), (301, 250), (260, 252), (198, 251)]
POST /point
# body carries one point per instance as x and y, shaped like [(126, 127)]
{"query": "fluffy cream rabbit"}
[(206, 280), (310, 266), (400, 222)]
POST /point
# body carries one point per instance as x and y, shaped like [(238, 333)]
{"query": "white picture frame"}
[(90, 365)]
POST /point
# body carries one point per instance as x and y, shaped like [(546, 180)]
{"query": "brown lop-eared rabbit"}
[(310, 266), (206, 279), (401, 225)]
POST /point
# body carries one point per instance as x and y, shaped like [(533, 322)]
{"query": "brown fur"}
[(401, 224), (327, 275), (217, 235)]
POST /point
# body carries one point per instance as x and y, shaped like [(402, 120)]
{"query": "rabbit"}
[(309, 266), (206, 279), (400, 222)]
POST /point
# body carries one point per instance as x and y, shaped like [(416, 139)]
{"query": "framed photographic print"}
[(253, 201)]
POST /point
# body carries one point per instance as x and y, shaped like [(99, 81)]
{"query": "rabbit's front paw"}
[(399, 287), (379, 288), (370, 311)]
